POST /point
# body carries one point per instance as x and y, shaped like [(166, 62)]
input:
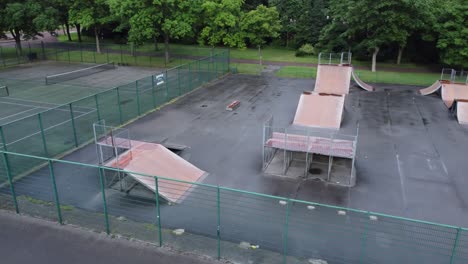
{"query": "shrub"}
[(305, 50)]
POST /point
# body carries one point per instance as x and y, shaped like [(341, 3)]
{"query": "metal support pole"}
[(165, 84), (97, 107), (10, 181), (2, 136), (72, 116), (178, 81), (455, 245), (286, 228), (103, 192), (1, 56), (364, 239), (190, 77), (56, 196), (39, 116), (218, 229), (43, 50), (107, 55), (120, 107), (158, 211), (68, 55), (81, 53), (138, 97), (153, 92)]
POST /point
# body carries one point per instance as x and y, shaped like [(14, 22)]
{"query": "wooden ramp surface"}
[(319, 110), (156, 160), (333, 79)]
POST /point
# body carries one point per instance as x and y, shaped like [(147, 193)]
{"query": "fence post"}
[(216, 66), (97, 107), (455, 244), (56, 196), (138, 97), (2, 135), (43, 50), (1, 56), (121, 54), (94, 55), (218, 231), (81, 52), (69, 60), (158, 211), (107, 55), (364, 239), (286, 228), (120, 107), (56, 54), (72, 116), (10, 181), (190, 77), (165, 84), (103, 192), (153, 95), (39, 116), (178, 81)]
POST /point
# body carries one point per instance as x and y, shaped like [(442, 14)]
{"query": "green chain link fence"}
[(127, 55), (221, 222), (58, 130)]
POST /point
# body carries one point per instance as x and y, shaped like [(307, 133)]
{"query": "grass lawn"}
[(246, 68), (408, 78)]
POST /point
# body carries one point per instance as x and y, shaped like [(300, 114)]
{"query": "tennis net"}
[(66, 76), (4, 91)]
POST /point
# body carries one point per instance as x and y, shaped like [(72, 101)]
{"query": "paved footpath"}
[(28, 240)]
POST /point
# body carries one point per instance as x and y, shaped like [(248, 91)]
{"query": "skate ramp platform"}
[(320, 110), (333, 79), (452, 92), (360, 83), (431, 89), (156, 160), (462, 112)]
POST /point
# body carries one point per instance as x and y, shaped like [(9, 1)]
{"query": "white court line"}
[(69, 120), (19, 113), (32, 101), (43, 107)]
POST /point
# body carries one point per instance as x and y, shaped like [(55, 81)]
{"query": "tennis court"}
[(25, 91)]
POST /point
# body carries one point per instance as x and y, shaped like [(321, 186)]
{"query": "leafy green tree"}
[(289, 13), (91, 14), (311, 21), (453, 33), (149, 19), (222, 23), (19, 18), (260, 24), (369, 25)]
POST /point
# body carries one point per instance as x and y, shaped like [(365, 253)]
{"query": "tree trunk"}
[(96, 34), (17, 36), (78, 31), (67, 26), (374, 59), (155, 40), (166, 47), (400, 54)]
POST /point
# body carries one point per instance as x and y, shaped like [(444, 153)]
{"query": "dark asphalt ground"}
[(411, 162), (29, 240)]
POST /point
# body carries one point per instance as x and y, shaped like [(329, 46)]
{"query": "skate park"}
[(407, 159)]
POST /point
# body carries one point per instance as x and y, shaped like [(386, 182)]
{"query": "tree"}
[(91, 14), (370, 24), (222, 23), (453, 33), (311, 21), (149, 19), (289, 13), (19, 18), (259, 24)]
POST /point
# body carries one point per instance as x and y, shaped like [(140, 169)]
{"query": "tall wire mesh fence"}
[(60, 129), (221, 222), (121, 54)]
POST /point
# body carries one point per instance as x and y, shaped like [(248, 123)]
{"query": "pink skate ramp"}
[(431, 89), (319, 110), (462, 112), (156, 160), (333, 79), (452, 92), (362, 84)]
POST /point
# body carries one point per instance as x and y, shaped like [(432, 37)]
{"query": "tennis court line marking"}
[(19, 113), (69, 120), (43, 107), (32, 101)]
